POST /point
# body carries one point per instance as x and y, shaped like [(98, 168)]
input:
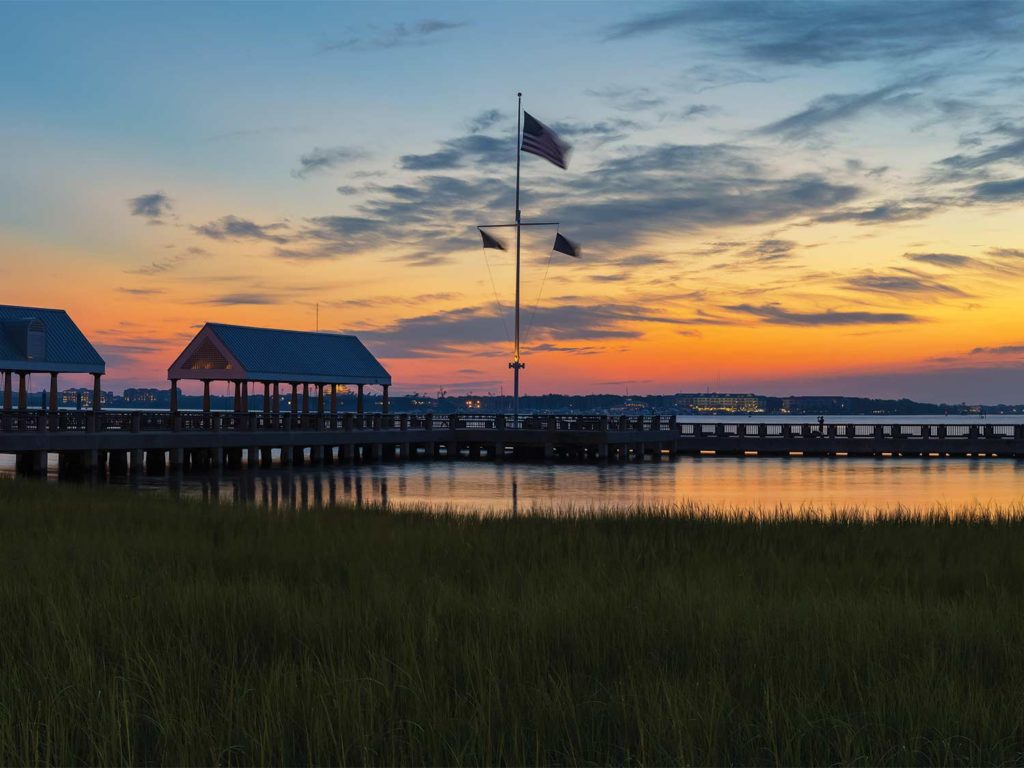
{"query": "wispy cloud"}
[(801, 32), (236, 228), (776, 314), (325, 158), (842, 107), (628, 99), (397, 36)]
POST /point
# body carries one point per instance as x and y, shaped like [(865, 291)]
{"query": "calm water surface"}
[(735, 482)]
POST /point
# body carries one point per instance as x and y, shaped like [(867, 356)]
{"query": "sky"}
[(777, 197)]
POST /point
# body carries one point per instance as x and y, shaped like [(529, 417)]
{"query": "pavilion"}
[(244, 355), (36, 340)]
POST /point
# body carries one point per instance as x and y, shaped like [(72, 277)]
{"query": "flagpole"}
[(516, 365)]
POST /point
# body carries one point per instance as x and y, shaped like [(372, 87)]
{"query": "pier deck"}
[(129, 441)]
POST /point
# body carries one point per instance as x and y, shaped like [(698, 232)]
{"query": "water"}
[(735, 482)]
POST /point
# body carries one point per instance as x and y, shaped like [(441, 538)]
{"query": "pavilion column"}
[(245, 397), (295, 399), (238, 396), (334, 399), (305, 398), (277, 398), (22, 393), (174, 396), (266, 398), (7, 390), (53, 392), (97, 393), (384, 402), (206, 395), (319, 399), (359, 400)]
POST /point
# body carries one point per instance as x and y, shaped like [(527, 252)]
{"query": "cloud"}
[(801, 32), (324, 158), (234, 228), (1009, 349), (396, 36), (475, 149), (470, 328), (940, 259), (998, 191), (598, 133), (778, 315), (673, 188), (1011, 150), (233, 299), (888, 212), (140, 291), (153, 206), (628, 99), (485, 120), (771, 250), (902, 284), (1006, 253), (841, 107), (159, 267)]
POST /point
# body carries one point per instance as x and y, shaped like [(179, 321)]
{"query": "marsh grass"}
[(136, 629)]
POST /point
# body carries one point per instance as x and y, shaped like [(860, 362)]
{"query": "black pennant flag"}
[(565, 245), (492, 242), (540, 140)]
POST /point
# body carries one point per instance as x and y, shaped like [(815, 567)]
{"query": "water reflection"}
[(475, 487)]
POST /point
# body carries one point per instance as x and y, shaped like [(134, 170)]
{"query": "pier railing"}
[(221, 421)]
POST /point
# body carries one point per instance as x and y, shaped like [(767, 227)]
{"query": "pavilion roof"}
[(36, 340), (237, 352)]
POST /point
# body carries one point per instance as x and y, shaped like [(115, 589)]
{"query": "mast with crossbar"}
[(544, 142)]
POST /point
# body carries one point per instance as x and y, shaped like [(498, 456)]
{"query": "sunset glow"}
[(758, 212)]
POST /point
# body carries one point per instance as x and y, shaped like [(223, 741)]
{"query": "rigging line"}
[(533, 312), (494, 288)]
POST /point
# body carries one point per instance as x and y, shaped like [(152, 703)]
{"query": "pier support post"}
[(118, 462), (155, 463), (549, 451), (359, 399), (22, 392), (31, 463), (376, 452), (177, 457), (252, 457), (7, 390), (316, 455)]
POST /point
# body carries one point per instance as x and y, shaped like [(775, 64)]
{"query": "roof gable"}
[(40, 339), (268, 354)]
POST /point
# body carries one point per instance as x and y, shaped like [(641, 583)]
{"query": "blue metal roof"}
[(65, 349), (304, 356)]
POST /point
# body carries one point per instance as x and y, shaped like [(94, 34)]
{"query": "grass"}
[(136, 629)]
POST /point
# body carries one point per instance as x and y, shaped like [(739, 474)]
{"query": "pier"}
[(122, 442)]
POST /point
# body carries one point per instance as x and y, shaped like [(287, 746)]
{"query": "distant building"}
[(722, 403)]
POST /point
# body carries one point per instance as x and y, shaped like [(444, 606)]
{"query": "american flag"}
[(540, 140)]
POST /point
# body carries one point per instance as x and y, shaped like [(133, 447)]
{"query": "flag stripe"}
[(540, 140)]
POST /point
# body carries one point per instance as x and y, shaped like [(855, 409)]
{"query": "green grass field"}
[(136, 629)]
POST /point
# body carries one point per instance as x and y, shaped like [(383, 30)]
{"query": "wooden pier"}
[(121, 442)]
